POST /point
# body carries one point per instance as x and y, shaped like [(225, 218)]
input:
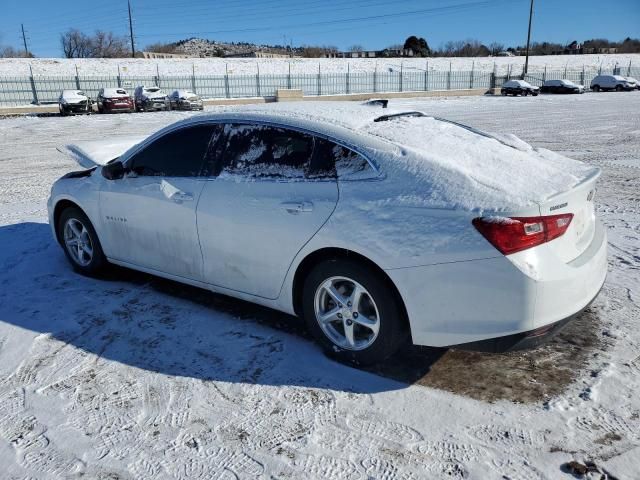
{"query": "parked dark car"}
[(74, 102), (114, 100), (519, 87), (185, 100), (150, 98), (561, 86)]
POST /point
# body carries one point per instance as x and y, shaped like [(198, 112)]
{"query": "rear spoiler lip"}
[(594, 175)]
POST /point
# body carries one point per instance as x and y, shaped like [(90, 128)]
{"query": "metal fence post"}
[(493, 76), (258, 79), (119, 79), (473, 64), (375, 79), (426, 78), (319, 81), (348, 80), (289, 77), (544, 74), (401, 74), (582, 75), (34, 91), (629, 69), (77, 79), (157, 75), (449, 77), (226, 81), (193, 77)]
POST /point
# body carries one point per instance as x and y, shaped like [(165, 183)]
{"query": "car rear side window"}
[(260, 151), (181, 153), (331, 159)]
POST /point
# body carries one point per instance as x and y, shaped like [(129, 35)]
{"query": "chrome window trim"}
[(285, 126)]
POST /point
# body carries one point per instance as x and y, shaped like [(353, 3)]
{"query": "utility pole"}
[(133, 48), (24, 39), (526, 61)]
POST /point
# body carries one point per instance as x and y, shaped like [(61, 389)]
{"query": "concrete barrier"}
[(289, 95)]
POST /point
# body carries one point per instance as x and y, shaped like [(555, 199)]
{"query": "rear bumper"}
[(522, 341), (484, 300), (76, 108)]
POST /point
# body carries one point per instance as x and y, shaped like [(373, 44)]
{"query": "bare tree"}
[(356, 48), (496, 47), (106, 45), (76, 44)]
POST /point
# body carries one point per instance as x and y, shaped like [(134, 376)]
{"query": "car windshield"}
[(152, 89)]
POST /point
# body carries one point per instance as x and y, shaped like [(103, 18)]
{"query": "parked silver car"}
[(148, 98), (185, 100), (74, 102)]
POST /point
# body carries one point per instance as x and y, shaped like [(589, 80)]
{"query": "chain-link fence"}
[(37, 89)]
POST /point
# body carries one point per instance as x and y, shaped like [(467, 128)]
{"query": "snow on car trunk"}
[(466, 169), (99, 152)]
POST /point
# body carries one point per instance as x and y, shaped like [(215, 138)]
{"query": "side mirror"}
[(113, 170)]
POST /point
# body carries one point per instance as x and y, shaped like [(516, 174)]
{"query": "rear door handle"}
[(297, 207)]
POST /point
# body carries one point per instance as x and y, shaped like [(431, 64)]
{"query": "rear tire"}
[(618, 88), (80, 242), (366, 326), (596, 88)]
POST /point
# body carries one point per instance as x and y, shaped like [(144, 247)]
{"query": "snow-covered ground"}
[(237, 66), (136, 377)]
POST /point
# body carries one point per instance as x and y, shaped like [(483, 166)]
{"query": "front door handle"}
[(179, 197), (295, 208)]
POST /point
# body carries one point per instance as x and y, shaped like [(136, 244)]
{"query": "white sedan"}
[(377, 228)]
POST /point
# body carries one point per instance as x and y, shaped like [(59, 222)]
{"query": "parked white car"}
[(185, 100), (74, 101), (633, 82), (611, 82), (375, 227)]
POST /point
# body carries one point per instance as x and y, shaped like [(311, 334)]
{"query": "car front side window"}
[(181, 153), (260, 151)]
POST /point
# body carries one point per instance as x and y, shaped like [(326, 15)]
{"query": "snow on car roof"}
[(522, 83), (115, 92), (432, 162)]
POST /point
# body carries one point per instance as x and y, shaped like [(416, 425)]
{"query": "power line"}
[(420, 12)]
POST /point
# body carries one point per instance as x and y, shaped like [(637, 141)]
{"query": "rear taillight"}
[(514, 234)]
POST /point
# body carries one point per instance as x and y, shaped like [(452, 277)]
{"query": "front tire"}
[(352, 312), (80, 242), (618, 88), (596, 88)]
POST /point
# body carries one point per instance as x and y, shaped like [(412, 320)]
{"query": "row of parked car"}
[(599, 83), (115, 100)]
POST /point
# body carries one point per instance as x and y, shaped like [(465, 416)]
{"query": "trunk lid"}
[(92, 153), (579, 201)]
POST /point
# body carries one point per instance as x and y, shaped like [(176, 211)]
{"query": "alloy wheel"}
[(346, 313), (78, 242)]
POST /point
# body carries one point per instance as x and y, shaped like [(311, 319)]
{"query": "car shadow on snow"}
[(158, 325)]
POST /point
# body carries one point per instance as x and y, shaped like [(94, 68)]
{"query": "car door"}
[(149, 216), (268, 201)]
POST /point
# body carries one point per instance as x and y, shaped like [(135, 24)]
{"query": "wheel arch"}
[(323, 254), (60, 207)]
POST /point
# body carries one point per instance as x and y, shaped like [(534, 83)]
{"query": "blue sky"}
[(374, 24)]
